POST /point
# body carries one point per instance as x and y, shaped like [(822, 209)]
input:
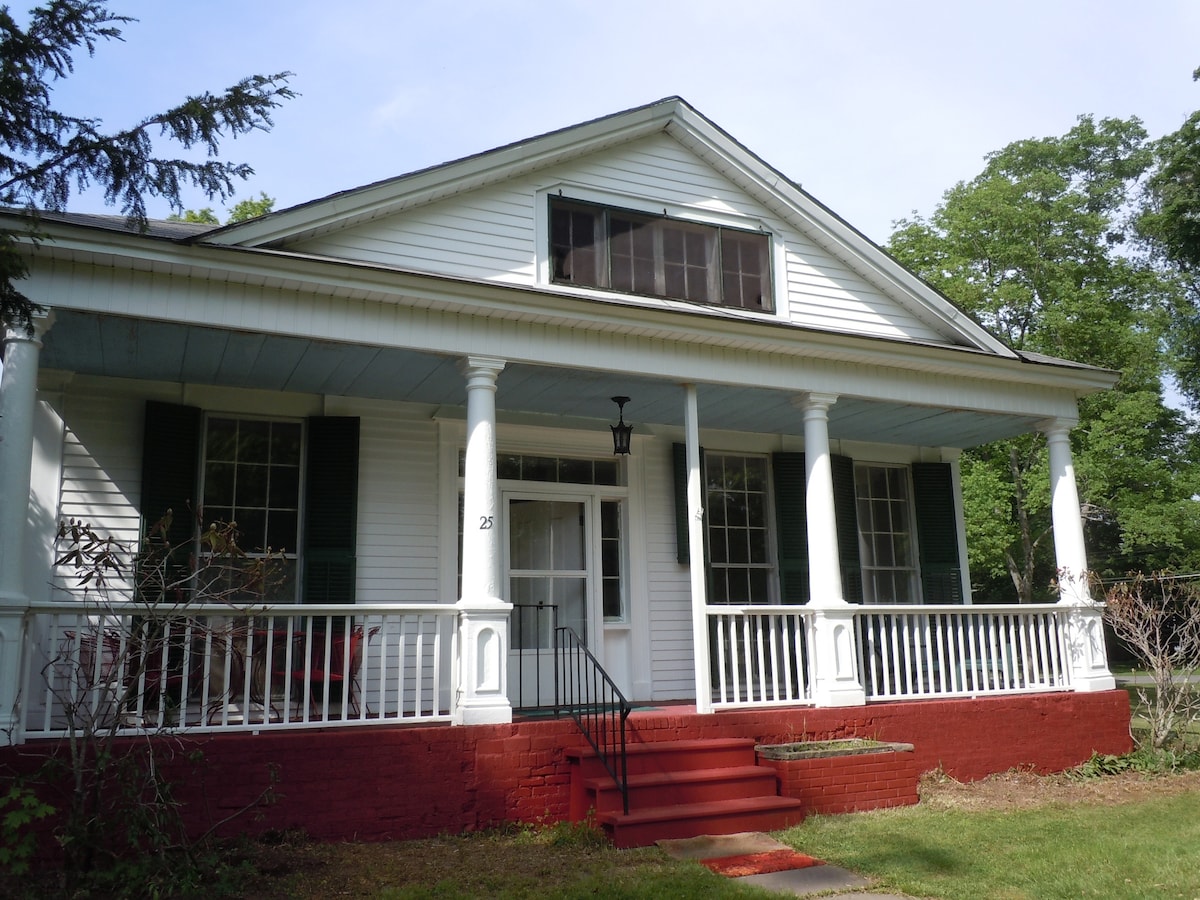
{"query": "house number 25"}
[(485, 523)]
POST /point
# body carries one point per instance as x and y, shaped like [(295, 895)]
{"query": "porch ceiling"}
[(90, 344)]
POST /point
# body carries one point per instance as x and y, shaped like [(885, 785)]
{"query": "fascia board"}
[(381, 198), (292, 271)]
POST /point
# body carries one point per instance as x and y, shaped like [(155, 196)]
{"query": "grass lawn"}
[(1149, 848), (1124, 836)]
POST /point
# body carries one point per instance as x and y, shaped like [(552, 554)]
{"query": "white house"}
[(408, 387)]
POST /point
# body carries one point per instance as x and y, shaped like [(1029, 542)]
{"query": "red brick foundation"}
[(850, 783), (380, 783)]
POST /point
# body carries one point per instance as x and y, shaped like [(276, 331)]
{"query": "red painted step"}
[(690, 786), (643, 827), (681, 789)]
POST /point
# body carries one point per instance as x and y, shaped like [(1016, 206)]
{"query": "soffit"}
[(108, 346)]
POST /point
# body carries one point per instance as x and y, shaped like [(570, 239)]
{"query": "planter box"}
[(842, 776)]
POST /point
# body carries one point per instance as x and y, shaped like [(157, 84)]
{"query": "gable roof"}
[(672, 116)]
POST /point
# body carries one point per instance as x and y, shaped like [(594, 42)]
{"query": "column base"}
[(482, 713), (1093, 683), (838, 695)]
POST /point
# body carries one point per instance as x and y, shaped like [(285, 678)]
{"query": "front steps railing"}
[(588, 695)]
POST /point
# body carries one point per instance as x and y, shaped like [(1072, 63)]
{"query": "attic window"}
[(622, 250)]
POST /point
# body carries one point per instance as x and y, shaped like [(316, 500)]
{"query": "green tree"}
[(250, 208), (1039, 247), (45, 154), (1170, 222)]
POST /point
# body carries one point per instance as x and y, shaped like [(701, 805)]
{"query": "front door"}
[(548, 562)]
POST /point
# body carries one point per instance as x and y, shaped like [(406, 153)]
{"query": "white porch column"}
[(699, 581), (1084, 625), (483, 615), (835, 662), (18, 396)]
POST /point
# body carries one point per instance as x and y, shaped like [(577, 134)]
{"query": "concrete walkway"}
[(794, 882)]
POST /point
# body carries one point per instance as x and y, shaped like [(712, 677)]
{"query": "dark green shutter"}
[(170, 475), (679, 467), (679, 464), (845, 508), (937, 533), (791, 522), (331, 510)]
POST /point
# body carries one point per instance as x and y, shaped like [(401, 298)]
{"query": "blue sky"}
[(876, 108)]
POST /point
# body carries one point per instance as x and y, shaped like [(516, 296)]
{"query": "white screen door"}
[(549, 584)]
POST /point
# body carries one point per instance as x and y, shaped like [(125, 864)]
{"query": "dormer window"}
[(621, 250)]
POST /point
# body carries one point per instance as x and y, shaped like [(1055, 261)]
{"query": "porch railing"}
[(208, 668), (764, 655), (960, 651), (587, 693), (760, 655)]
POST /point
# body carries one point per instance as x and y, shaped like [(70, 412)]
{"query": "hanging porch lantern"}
[(621, 432)]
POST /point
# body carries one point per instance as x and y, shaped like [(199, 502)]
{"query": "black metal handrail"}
[(584, 690)]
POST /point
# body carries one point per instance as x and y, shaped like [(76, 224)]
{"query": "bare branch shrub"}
[(1158, 618), (120, 667)]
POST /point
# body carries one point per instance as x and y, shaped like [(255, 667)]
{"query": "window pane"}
[(613, 610), (221, 443), (606, 471), (508, 467), (285, 443), (745, 271), (252, 528), (281, 531), (573, 251), (250, 488), (285, 488), (254, 441), (760, 589), (218, 483), (739, 549), (575, 471), (758, 545)]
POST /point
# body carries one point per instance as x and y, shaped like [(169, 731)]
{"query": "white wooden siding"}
[(101, 474), (672, 670), (397, 504), (489, 234)]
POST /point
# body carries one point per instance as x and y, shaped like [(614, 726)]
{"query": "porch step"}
[(676, 788), (643, 827), (671, 756), (681, 789)]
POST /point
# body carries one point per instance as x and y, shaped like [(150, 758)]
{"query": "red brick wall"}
[(379, 783), (840, 784)]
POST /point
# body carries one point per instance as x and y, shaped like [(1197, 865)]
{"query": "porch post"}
[(18, 398), (483, 615), (696, 556), (834, 656), (1088, 657)]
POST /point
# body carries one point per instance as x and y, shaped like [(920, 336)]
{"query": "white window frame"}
[(769, 566), (912, 566), (294, 555), (776, 252)]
